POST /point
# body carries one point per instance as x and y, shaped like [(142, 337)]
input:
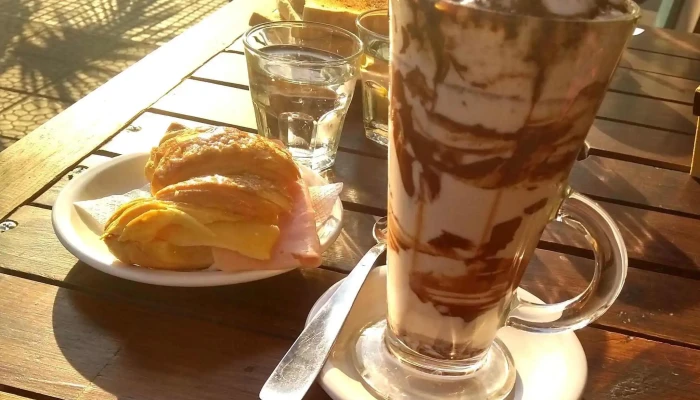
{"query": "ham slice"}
[(297, 246)]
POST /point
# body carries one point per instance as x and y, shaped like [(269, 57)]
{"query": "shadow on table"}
[(73, 50), (666, 114), (142, 341), (642, 239), (622, 367), (640, 235)]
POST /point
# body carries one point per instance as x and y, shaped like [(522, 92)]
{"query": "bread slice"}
[(287, 11), (260, 17), (341, 13), (298, 5)]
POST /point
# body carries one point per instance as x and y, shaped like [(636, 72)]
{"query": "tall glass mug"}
[(490, 103)]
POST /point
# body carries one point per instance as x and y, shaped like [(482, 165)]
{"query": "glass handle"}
[(588, 218)]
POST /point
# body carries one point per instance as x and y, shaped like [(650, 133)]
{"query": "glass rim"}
[(331, 28), (367, 13), (635, 13)]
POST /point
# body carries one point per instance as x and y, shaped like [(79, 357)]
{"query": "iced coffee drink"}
[(491, 101)]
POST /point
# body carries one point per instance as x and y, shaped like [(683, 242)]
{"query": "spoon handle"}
[(298, 369)]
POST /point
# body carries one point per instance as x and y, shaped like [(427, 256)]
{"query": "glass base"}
[(320, 160), (377, 135), (388, 377)]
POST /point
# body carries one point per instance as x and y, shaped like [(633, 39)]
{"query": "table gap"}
[(198, 119), (656, 72), (229, 84), (25, 393), (639, 160), (642, 335), (636, 263), (662, 53), (685, 103), (642, 206), (644, 125)]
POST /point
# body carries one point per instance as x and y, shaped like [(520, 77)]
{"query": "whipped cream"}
[(580, 9)]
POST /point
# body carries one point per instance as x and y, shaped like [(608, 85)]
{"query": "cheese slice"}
[(251, 239), (146, 227), (185, 225)]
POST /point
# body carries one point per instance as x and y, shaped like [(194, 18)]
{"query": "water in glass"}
[(375, 84), (300, 103)]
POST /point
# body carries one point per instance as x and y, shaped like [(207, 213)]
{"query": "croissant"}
[(248, 195), (189, 153), (154, 253), (214, 189)]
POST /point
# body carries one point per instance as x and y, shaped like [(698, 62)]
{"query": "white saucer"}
[(125, 173), (550, 366)]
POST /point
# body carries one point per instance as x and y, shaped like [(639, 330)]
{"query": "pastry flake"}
[(223, 151)]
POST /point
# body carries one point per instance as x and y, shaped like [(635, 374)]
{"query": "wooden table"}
[(68, 331)]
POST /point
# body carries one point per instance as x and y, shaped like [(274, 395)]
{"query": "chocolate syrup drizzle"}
[(537, 152)]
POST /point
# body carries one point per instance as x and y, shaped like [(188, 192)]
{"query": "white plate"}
[(120, 175), (549, 366)]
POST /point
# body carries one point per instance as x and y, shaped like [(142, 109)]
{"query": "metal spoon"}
[(298, 369)]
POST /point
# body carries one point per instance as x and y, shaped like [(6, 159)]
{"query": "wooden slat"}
[(661, 64), (143, 133), (98, 349), (648, 112), (642, 145), (652, 304), (666, 41), (651, 370), (226, 68), (653, 85), (637, 184), (653, 239), (210, 102), (643, 305), (48, 197), (27, 167), (69, 345)]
